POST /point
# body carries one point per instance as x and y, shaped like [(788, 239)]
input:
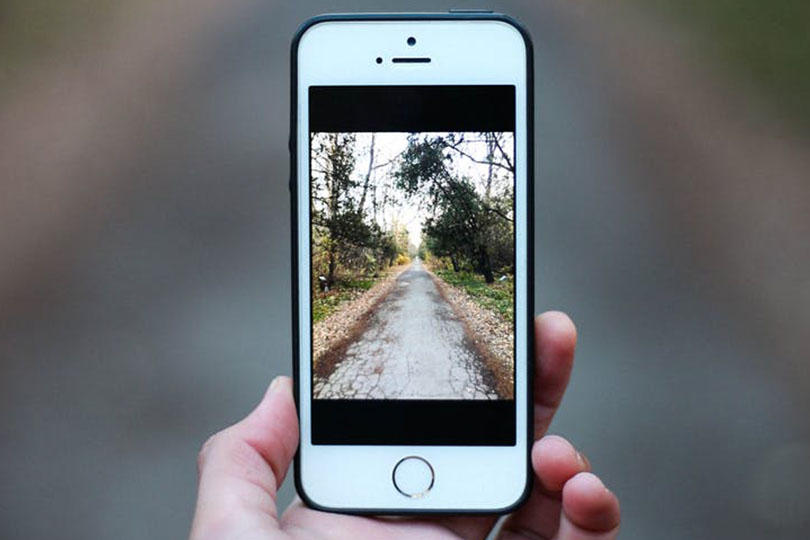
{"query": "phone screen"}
[(412, 264)]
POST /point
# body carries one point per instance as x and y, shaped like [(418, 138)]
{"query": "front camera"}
[(379, 60), (411, 41)]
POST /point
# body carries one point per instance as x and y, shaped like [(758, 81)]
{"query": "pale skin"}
[(241, 467)]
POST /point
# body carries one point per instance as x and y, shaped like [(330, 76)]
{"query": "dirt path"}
[(414, 347)]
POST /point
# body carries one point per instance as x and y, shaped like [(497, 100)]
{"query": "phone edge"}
[(293, 186)]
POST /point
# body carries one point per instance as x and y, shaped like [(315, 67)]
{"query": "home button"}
[(413, 476)]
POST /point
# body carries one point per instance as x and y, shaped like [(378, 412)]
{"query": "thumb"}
[(241, 467)]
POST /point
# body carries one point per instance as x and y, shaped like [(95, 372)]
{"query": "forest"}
[(379, 200)]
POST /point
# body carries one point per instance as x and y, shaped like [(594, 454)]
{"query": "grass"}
[(326, 303), (766, 42), (495, 297)]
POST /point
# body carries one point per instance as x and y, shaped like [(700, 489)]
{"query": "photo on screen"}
[(412, 254)]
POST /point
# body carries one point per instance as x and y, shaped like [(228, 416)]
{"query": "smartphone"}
[(411, 182)]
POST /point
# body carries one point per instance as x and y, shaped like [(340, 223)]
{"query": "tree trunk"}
[(491, 166), (455, 263), (368, 174), (485, 265), (330, 276)]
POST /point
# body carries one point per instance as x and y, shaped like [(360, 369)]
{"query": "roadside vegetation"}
[(496, 297), (381, 199), (469, 220), (352, 248), (468, 237), (327, 302)]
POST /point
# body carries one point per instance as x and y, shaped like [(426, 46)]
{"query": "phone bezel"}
[(321, 459)]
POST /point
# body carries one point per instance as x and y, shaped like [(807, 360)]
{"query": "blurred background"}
[(144, 251)]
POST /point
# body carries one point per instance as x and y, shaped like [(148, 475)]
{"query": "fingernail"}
[(594, 480), (583, 462), (275, 385)]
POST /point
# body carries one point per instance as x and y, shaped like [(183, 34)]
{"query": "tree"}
[(464, 225), (463, 184), (346, 234), (334, 211)]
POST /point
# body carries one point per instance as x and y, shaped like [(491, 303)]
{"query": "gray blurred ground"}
[(163, 315)]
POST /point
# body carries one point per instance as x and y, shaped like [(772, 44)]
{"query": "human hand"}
[(241, 468)]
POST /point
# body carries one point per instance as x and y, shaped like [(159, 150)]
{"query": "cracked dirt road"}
[(414, 347)]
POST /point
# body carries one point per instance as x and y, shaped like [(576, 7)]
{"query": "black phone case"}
[(460, 15)]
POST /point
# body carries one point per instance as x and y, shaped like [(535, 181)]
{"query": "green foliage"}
[(422, 252), (347, 244), (326, 303), (473, 229), (358, 284), (388, 248), (465, 221), (497, 296)]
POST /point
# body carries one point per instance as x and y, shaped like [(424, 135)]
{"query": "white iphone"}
[(411, 182)]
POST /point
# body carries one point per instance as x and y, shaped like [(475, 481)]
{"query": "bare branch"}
[(481, 162), (506, 157)]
